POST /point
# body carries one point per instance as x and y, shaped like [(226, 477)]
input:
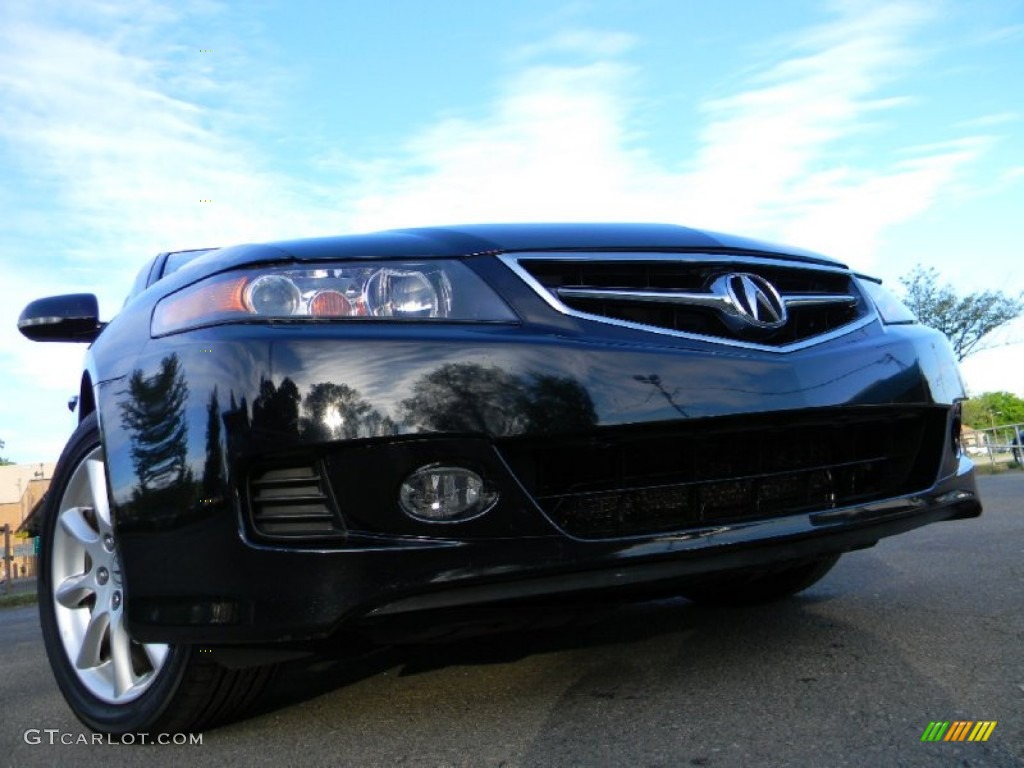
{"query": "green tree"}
[(466, 397), (993, 409), (336, 411), (3, 462), (469, 397), (213, 471), (966, 320), (153, 415)]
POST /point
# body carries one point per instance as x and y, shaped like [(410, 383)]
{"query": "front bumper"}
[(257, 595), (197, 571)]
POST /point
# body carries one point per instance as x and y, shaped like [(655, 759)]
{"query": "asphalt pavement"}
[(924, 627)]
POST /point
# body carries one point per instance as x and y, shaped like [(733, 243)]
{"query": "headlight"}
[(368, 291), (891, 309)]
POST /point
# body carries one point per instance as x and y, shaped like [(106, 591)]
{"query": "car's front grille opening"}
[(818, 300), (629, 481), (288, 502)]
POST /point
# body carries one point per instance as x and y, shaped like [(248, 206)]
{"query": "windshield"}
[(179, 259)]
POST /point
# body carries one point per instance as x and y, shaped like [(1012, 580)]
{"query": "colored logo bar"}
[(959, 730)]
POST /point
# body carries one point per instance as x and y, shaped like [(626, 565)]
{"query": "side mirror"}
[(72, 317)]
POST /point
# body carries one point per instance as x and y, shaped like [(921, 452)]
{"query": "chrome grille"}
[(785, 305)]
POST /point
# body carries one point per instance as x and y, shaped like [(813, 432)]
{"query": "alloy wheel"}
[(88, 593)]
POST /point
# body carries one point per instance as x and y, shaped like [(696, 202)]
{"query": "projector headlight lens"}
[(273, 295), (406, 293)]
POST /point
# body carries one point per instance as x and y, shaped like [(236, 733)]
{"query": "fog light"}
[(440, 494)]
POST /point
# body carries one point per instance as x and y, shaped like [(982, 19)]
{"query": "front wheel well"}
[(86, 399)]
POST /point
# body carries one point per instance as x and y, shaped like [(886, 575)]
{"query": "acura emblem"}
[(752, 299)]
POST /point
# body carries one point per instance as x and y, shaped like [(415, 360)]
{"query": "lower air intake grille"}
[(290, 502), (630, 481)]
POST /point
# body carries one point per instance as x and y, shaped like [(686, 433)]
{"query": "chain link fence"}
[(999, 447)]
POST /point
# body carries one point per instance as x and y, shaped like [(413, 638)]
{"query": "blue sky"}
[(884, 133)]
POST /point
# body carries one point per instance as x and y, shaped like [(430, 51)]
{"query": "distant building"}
[(974, 441), (21, 488)]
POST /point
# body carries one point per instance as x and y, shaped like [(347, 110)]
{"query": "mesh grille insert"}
[(629, 481)]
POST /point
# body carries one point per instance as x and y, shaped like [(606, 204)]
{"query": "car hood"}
[(478, 239)]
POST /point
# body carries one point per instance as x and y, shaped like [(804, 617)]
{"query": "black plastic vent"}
[(293, 502), (624, 481)]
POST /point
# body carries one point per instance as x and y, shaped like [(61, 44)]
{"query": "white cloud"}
[(118, 120), (122, 128), (1010, 32), (103, 116), (847, 217), (986, 121), (772, 158), (999, 367), (554, 147), (588, 42)]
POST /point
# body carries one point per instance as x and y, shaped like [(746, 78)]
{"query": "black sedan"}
[(288, 444)]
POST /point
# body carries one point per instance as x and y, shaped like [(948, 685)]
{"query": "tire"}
[(752, 588), (113, 683)]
